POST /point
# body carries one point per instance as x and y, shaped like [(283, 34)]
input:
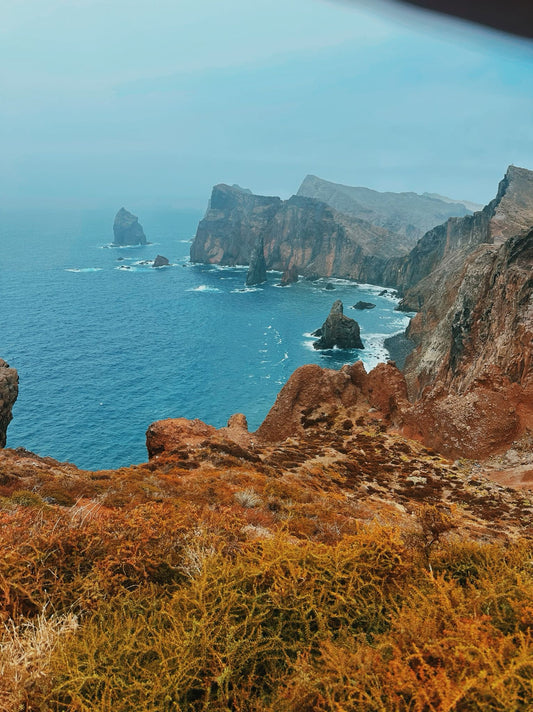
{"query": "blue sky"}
[(151, 103)]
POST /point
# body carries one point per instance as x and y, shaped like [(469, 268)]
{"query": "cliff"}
[(407, 214), (127, 229), (447, 246), (299, 233), (8, 395)]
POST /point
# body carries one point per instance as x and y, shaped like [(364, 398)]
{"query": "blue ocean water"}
[(104, 345)]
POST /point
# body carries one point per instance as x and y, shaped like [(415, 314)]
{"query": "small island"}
[(338, 330), (127, 229)]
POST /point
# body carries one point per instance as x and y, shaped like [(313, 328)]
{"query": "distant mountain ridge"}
[(408, 214)]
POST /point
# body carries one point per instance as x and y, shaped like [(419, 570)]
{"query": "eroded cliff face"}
[(8, 395), (299, 233), (446, 246), (472, 372)]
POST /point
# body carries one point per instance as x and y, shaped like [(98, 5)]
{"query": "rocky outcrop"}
[(407, 214), (160, 261), (127, 229), (338, 330), (257, 272), (307, 234), (8, 395), (290, 276), (319, 397)]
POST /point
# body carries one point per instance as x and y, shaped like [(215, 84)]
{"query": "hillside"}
[(408, 214)]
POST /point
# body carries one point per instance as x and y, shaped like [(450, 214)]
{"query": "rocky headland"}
[(304, 233), (127, 230)]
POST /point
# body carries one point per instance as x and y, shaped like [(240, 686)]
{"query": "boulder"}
[(160, 261), (127, 229), (339, 330)]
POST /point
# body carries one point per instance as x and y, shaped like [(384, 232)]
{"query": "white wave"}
[(83, 269), (188, 242), (126, 268), (203, 288), (245, 290)]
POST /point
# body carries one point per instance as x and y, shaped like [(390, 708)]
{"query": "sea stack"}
[(257, 271), (127, 229), (339, 330), (290, 276), (9, 382)]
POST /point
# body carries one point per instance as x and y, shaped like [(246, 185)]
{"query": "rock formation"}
[(290, 276), (8, 395), (305, 233), (407, 214), (127, 229), (364, 305), (339, 330), (160, 261), (257, 273)]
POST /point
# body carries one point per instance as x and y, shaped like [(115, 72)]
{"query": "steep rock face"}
[(448, 245), (257, 272), (472, 372), (127, 229), (407, 214), (8, 395), (339, 330), (305, 233)]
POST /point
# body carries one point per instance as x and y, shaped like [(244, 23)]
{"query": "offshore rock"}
[(8, 395), (307, 234), (339, 330), (127, 229), (290, 276), (160, 261), (363, 305), (257, 271)]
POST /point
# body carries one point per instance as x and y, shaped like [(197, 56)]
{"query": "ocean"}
[(105, 345)]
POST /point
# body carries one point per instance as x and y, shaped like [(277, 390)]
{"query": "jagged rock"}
[(329, 287), (127, 229), (290, 276), (257, 271), (339, 330), (160, 261), (8, 395), (364, 305)]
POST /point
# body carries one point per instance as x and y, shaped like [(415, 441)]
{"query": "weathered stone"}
[(290, 276), (8, 395), (127, 229), (257, 271), (364, 305), (339, 330), (160, 261)]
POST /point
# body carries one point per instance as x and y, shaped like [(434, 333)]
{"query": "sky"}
[(149, 103)]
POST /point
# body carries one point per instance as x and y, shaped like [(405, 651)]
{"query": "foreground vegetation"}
[(171, 606)]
